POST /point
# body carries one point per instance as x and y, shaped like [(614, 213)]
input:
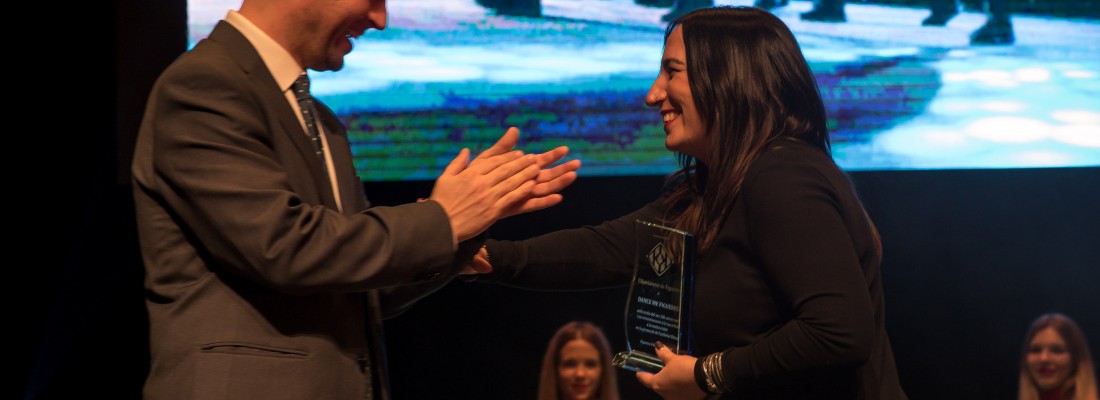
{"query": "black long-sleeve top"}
[(790, 290)]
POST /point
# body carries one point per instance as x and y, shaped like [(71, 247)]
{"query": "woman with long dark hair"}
[(788, 298)]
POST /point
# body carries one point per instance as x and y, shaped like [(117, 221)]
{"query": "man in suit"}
[(267, 271)]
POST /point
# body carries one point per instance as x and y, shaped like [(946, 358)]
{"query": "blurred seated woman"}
[(577, 365), (1056, 364)]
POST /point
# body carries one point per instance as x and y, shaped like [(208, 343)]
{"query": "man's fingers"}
[(549, 174), (508, 175), (550, 157), (498, 183), (498, 165), (534, 204), (554, 186), (458, 163), (515, 197), (503, 145), (509, 185)]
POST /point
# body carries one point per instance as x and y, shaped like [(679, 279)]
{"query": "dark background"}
[(971, 257)]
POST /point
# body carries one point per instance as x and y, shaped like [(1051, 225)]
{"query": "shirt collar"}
[(279, 62)]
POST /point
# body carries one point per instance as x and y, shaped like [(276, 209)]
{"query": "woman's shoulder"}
[(794, 148), (796, 157)]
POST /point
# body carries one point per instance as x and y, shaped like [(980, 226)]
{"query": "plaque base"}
[(638, 361)]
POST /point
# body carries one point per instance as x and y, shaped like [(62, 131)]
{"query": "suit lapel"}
[(272, 97), (293, 128), (351, 189)]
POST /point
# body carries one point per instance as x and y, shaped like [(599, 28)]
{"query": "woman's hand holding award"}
[(659, 304)]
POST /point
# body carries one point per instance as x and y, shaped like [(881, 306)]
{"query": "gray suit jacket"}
[(256, 286)]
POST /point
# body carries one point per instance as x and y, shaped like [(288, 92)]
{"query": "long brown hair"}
[(548, 379), (1082, 385), (752, 86)]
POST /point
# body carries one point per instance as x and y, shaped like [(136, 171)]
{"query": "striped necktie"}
[(309, 112)]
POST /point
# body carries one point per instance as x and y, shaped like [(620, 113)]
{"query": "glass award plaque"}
[(658, 307)]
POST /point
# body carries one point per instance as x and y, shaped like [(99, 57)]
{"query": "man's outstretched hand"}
[(500, 182)]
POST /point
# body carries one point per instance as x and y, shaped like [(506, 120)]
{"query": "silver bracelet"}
[(712, 371)]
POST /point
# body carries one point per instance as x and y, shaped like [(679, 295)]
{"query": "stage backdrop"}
[(451, 73), (980, 185)]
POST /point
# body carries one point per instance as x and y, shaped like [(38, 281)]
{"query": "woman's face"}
[(684, 130), (579, 370), (1048, 360)]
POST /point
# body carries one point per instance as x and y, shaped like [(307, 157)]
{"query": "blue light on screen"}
[(448, 74)]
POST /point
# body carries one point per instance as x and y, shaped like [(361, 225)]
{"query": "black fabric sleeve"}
[(700, 376), (797, 228), (589, 257)]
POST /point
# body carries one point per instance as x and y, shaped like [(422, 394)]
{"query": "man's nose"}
[(378, 14)]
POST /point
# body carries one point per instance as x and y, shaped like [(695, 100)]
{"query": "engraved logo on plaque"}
[(659, 259)]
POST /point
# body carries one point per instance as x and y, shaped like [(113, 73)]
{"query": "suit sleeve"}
[(222, 164), (397, 300)]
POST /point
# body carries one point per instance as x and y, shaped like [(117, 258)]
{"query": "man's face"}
[(329, 26)]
